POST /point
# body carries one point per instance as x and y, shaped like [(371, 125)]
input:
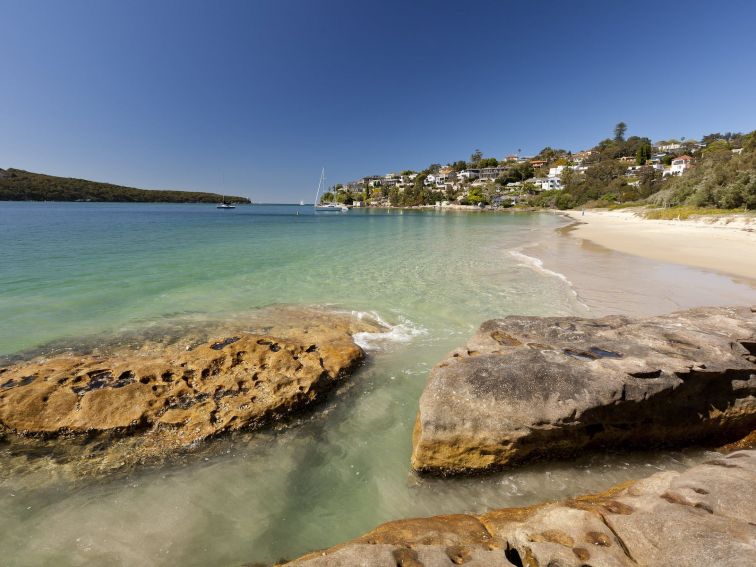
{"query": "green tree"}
[(717, 146), (517, 173), (564, 201), (643, 154), (619, 132), (476, 156), (475, 196), (550, 154), (394, 197)]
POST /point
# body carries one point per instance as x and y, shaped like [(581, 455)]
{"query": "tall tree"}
[(643, 154), (476, 156), (619, 132)]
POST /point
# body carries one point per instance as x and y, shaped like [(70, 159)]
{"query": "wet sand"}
[(607, 281), (726, 245)]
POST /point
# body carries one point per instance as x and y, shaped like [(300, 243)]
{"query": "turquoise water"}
[(71, 271)]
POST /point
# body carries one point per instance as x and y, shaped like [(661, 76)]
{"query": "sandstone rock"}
[(171, 396), (532, 387), (703, 516)]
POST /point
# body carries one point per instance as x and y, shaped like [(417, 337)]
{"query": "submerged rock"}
[(535, 387), (703, 516), (171, 396)]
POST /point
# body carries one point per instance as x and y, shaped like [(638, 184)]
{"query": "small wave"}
[(537, 265), (402, 332)]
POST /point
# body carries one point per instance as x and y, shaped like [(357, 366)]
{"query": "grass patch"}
[(627, 205), (683, 212)]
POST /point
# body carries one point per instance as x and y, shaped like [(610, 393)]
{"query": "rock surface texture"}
[(703, 516), (171, 396), (535, 387)]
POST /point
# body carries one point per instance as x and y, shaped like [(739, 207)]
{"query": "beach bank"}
[(726, 244)]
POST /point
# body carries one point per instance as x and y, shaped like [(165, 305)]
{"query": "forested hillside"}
[(20, 185), (722, 179)]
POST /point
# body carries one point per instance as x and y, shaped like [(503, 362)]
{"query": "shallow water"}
[(73, 270)]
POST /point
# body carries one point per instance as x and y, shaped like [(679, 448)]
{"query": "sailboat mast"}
[(320, 184)]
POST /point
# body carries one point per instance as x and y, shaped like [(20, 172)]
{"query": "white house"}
[(553, 181), (547, 183), (680, 165), (469, 174), (670, 147), (556, 171), (445, 175)]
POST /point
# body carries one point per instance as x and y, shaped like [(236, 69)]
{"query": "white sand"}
[(726, 244)]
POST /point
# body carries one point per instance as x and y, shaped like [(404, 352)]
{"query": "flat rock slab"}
[(703, 516), (172, 396), (544, 387)]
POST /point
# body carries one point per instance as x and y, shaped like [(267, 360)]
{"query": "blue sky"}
[(253, 97)]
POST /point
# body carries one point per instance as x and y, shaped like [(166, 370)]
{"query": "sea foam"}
[(402, 332)]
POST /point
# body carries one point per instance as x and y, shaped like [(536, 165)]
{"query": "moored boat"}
[(331, 207)]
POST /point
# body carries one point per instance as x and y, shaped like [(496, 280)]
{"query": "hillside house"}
[(492, 173), (672, 147), (469, 174), (680, 165)]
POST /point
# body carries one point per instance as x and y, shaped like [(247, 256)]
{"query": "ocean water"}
[(73, 272)]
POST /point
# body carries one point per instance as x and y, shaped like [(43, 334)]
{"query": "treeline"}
[(19, 185)]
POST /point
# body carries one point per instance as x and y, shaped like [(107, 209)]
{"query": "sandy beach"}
[(726, 245)]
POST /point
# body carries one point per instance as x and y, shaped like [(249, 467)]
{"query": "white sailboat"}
[(326, 207), (224, 205)]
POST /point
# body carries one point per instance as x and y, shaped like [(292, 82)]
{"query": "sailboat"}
[(326, 207), (224, 205)]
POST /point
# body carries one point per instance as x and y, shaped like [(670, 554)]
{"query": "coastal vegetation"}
[(684, 212), (723, 179), (20, 185)]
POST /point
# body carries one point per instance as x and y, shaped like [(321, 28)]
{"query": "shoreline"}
[(720, 245)]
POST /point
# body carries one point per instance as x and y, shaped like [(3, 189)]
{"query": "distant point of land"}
[(20, 185)]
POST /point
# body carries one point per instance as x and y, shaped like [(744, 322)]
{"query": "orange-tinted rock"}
[(175, 395), (710, 521)]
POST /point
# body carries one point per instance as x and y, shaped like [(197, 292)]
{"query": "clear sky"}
[(253, 97)]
